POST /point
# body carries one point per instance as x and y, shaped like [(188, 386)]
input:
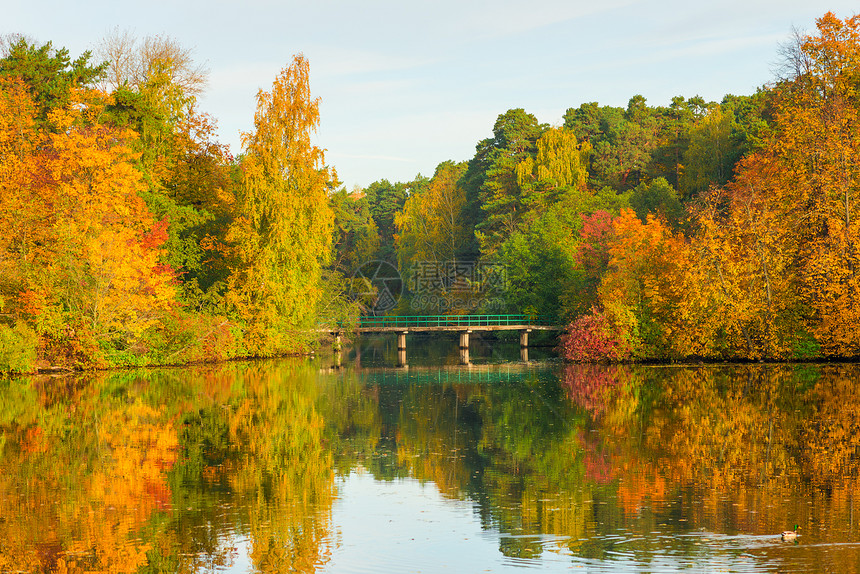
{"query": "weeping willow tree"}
[(284, 224), (558, 164)]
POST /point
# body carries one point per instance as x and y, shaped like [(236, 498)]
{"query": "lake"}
[(352, 464)]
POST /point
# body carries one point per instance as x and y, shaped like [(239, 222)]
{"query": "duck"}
[(789, 535)]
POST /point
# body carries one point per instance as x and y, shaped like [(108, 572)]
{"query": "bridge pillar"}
[(464, 339), (336, 342), (401, 349), (524, 338), (464, 357), (524, 354)]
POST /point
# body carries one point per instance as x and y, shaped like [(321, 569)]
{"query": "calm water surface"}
[(353, 464)]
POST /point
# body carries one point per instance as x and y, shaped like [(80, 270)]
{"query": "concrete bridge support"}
[(464, 339), (401, 349), (524, 338)]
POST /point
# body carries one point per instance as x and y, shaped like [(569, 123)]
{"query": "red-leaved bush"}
[(593, 338)]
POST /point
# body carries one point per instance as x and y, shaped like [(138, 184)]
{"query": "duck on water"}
[(790, 534)]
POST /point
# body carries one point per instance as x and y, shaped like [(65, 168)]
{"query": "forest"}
[(694, 231)]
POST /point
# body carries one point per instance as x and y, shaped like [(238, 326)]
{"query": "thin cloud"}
[(372, 157), (333, 61), (498, 19)]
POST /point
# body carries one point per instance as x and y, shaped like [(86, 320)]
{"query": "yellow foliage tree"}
[(432, 225), (560, 161), (284, 223)]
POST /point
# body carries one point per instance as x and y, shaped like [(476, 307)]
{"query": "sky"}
[(404, 86)]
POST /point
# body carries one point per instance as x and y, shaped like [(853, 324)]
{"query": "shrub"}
[(17, 348), (596, 337)]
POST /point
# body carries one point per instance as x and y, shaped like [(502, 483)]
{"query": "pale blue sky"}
[(407, 85)]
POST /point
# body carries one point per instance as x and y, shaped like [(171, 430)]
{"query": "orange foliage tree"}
[(108, 240), (79, 249), (780, 246), (24, 204), (644, 286), (818, 150), (743, 285)]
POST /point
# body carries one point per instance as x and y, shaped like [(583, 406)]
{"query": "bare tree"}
[(7, 40), (793, 61), (133, 61)]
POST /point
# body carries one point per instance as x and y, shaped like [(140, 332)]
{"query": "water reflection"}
[(158, 471), (434, 349), (257, 467)]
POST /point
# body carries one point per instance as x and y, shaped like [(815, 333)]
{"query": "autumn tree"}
[(744, 283), (283, 229), (81, 251), (107, 230), (790, 233), (23, 229), (817, 149), (643, 287), (431, 225), (155, 84), (559, 164)]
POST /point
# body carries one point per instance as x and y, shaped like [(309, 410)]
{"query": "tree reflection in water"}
[(182, 470)]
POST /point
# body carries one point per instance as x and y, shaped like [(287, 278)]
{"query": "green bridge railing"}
[(455, 321)]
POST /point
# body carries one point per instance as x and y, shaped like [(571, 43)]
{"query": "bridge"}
[(465, 325), (456, 323)]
